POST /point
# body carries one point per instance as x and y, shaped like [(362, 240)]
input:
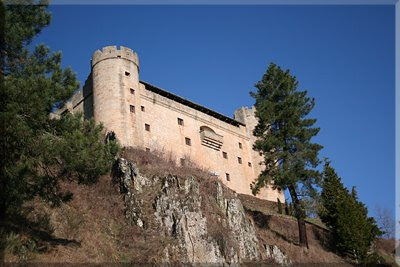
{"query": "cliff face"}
[(197, 221)]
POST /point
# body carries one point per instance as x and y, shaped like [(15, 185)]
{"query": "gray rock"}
[(127, 175), (242, 228), (277, 255), (178, 211), (182, 218)]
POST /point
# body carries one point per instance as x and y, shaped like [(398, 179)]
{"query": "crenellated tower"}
[(115, 78)]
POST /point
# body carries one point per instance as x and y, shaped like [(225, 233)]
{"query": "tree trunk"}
[(300, 216)]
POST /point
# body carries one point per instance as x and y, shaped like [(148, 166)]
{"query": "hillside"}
[(155, 212)]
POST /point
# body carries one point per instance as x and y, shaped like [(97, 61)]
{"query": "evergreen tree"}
[(351, 229), (280, 211), (287, 209), (284, 137), (37, 153)]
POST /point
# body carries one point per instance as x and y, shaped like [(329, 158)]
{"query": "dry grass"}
[(386, 249), (256, 204), (92, 227), (282, 231), (158, 163)]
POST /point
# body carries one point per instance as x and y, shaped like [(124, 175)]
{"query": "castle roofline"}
[(191, 104)]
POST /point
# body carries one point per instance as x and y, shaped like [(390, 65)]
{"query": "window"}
[(142, 108), (188, 141), (183, 162), (119, 56), (228, 178), (132, 108), (147, 149), (260, 153), (132, 91), (249, 163), (180, 121), (147, 127), (225, 155), (127, 73), (240, 160), (240, 145)]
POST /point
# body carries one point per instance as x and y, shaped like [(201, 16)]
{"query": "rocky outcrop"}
[(277, 255), (201, 227), (241, 227), (178, 211)]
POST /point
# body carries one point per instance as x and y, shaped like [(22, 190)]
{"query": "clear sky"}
[(342, 55)]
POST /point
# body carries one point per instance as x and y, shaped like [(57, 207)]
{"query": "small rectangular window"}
[(225, 155), (183, 162), (142, 108), (180, 121), (147, 149), (132, 91), (240, 145), (127, 73), (249, 163), (188, 141), (147, 127), (240, 160), (260, 153), (228, 178), (132, 108)]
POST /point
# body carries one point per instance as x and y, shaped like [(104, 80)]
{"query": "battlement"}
[(108, 52)]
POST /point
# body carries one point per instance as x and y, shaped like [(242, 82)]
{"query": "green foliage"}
[(284, 137), (352, 230), (22, 247), (284, 133), (280, 211), (39, 153), (291, 210), (311, 205)]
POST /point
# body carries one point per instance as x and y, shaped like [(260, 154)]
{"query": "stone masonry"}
[(143, 115)]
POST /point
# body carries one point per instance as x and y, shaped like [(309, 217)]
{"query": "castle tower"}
[(247, 116), (115, 77)]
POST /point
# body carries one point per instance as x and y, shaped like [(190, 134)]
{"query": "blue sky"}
[(342, 55)]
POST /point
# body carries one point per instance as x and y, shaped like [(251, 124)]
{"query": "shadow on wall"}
[(88, 98)]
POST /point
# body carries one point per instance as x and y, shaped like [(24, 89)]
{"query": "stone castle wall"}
[(140, 117)]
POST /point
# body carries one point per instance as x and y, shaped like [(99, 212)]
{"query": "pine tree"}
[(280, 211), (287, 209), (284, 137), (37, 153), (352, 230)]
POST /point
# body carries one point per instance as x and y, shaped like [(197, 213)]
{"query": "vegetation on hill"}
[(94, 225), (38, 153)]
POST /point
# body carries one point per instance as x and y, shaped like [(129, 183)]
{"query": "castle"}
[(143, 115)]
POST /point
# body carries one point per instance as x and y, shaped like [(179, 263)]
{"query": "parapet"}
[(242, 113), (113, 52)]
